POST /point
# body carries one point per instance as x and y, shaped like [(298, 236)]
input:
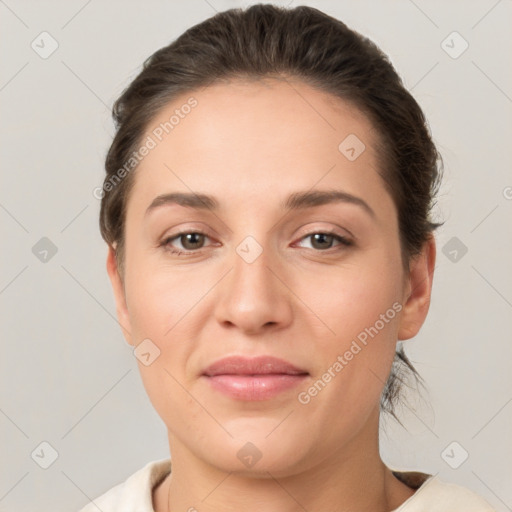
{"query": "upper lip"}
[(261, 365)]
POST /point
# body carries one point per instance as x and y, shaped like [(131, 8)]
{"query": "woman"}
[(267, 210)]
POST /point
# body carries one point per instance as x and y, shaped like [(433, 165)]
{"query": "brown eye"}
[(189, 241), (323, 241)]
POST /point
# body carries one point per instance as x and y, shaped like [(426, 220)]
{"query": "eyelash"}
[(178, 252)]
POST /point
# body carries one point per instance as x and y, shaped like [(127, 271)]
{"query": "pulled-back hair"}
[(306, 44)]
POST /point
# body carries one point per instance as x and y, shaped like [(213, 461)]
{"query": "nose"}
[(253, 296)]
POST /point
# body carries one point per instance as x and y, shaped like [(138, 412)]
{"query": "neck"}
[(351, 478)]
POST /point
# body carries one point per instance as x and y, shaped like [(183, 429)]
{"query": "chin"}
[(259, 450)]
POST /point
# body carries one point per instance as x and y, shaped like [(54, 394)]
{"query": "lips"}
[(257, 378), (263, 365)]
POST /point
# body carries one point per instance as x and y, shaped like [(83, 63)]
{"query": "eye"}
[(324, 240), (193, 241), (190, 241)]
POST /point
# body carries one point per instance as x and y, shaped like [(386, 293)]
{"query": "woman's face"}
[(317, 283)]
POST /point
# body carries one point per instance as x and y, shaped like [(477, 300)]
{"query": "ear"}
[(116, 280), (418, 289)]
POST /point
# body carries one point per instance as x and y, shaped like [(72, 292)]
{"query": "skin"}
[(251, 144)]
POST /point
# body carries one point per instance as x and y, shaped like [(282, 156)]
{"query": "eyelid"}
[(166, 240), (342, 240), (186, 231), (342, 233), (201, 229)]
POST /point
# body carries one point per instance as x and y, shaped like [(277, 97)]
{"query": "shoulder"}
[(436, 495), (135, 493)]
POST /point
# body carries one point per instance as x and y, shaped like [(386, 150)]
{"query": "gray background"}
[(67, 376)]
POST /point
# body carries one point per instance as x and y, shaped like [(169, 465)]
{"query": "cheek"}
[(160, 302), (158, 298), (361, 307), (350, 300)]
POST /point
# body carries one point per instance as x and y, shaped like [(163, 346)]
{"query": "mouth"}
[(257, 378)]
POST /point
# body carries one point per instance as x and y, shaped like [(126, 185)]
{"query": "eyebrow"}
[(296, 201)]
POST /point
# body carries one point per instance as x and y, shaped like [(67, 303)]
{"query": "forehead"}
[(259, 139), (277, 114)]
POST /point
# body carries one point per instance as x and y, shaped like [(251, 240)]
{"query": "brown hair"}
[(268, 41)]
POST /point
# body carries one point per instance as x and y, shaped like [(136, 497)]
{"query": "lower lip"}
[(254, 387)]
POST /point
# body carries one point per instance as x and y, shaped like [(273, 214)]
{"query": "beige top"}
[(432, 494)]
